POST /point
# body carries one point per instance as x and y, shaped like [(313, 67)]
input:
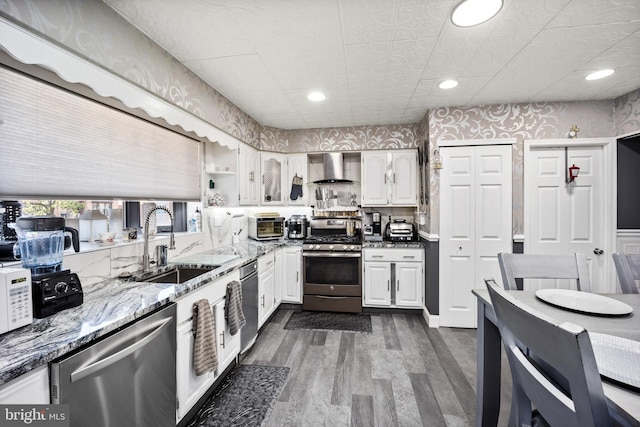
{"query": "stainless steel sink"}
[(178, 274)]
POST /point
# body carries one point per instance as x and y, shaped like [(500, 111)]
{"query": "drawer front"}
[(266, 261), (393, 255)]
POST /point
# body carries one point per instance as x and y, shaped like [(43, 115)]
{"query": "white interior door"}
[(475, 225), (563, 217)]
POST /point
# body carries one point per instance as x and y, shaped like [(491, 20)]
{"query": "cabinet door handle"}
[(297, 277), (385, 178), (262, 301), (222, 339), (377, 256), (388, 285), (394, 177), (409, 256), (397, 285)]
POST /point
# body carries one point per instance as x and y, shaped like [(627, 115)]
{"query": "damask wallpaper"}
[(627, 113), (546, 120)]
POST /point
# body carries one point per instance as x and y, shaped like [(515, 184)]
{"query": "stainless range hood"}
[(333, 169)]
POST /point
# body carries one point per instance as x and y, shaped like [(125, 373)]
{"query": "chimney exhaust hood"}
[(333, 167)]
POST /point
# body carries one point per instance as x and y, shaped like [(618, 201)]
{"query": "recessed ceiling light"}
[(316, 96), (473, 12), (448, 84), (600, 74)]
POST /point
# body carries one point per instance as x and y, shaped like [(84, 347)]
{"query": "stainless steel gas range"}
[(332, 266)]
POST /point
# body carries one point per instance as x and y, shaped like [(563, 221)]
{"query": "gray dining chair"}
[(563, 346), (537, 266), (628, 269)]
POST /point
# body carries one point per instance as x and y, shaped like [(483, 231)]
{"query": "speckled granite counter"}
[(108, 306), (391, 245)]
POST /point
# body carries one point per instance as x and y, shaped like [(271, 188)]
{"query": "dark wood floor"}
[(402, 374)]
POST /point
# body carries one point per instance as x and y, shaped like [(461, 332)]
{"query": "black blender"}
[(41, 243)]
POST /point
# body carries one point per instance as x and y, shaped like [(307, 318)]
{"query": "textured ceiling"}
[(380, 61)]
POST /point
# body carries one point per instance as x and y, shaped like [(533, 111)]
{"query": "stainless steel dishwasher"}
[(126, 379), (249, 280)]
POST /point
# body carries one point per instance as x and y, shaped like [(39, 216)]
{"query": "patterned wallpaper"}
[(96, 32), (340, 139), (521, 121), (627, 113)]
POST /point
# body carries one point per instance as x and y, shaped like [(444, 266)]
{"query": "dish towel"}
[(233, 308), (205, 357)]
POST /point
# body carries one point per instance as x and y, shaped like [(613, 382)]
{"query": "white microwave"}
[(16, 306)]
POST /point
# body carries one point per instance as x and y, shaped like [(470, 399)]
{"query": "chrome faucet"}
[(172, 244)]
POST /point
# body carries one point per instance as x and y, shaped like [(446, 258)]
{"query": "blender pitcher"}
[(42, 241)]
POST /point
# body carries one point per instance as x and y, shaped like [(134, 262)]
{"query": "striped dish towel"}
[(233, 308), (205, 357)]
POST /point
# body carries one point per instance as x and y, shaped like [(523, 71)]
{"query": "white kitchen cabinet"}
[(266, 287), (404, 178), (292, 275), (377, 284), (274, 174), (393, 278), (221, 167), (390, 178), (249, 175), (31, 388), (374, 178), (189, 386), (228, 345), (297, 166), (279, 276)]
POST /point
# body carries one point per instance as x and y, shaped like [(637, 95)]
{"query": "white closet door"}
[(475, 225), (566, 218)]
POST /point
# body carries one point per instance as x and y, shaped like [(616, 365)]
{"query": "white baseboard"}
[(433, 320)]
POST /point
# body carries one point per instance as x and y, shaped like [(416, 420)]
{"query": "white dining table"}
[(625, 401)]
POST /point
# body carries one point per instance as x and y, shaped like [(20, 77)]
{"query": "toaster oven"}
[(266, 228)]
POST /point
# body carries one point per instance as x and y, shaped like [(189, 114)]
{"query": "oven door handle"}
[(332, 254)]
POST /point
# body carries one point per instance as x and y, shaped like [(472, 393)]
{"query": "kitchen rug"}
[(244, 398), (324, 321)]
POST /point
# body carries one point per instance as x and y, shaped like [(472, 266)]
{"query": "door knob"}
[(598, 251)]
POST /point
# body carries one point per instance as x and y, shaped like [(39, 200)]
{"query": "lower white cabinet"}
[(393, 278), (31, 388), (191, 387), (292, 275), (266, 287)]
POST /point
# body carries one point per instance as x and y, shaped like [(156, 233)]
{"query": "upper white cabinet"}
[(390, 178), (274, 175), (249, 175), (296, 168), (404, 178), (221, 167)]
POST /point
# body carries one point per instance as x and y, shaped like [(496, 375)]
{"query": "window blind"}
[(56, 144)]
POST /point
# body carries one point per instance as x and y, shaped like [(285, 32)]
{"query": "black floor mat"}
[(324, 321), (244, 398)]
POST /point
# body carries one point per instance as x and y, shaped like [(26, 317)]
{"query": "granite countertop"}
[(391, 245), (111, 304)]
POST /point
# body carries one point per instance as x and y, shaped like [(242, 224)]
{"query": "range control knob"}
[(317, 246), (345, 247), (330, 247), (61, 287), (352, 247)]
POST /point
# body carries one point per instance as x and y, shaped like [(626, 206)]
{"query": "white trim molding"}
[(429, 236), (31, 49), (518, 238), (433, 320), (469, 142)]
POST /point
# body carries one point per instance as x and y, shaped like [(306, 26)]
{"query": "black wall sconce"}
[(571, 172)]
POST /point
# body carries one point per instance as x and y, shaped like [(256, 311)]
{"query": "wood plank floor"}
[(402, 374)]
